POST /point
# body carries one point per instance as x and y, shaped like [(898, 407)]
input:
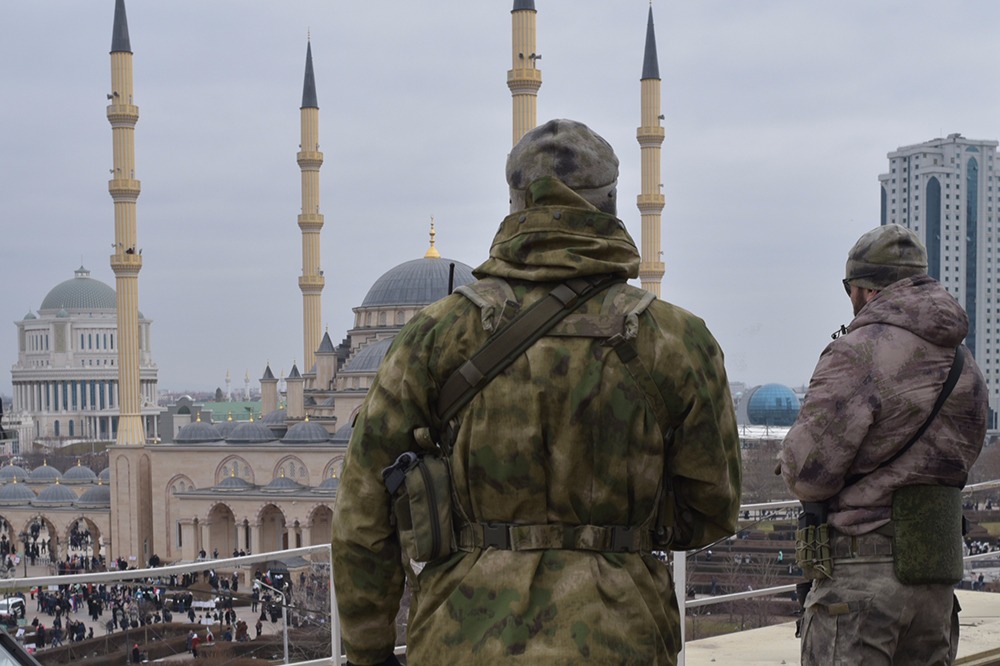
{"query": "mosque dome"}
[(105, 476), (199, 432), (369, 358), (79, 474), (81, 293), (282, 484), (772, 405), (97, 497), (16, 493), (55, 494), (343, 434), (306, 432), (45, 474), (329, 485), (250, 432), (10, 473), (233, 484), (226, 427), (275, 417), (417, 282), (30, 315)]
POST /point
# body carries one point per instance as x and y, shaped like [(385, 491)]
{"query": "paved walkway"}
[(979, 620)]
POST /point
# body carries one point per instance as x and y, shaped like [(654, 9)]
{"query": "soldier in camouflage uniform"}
[(872, 389), (561, 450)]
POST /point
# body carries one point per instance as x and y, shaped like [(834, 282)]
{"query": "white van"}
[(12, 606)]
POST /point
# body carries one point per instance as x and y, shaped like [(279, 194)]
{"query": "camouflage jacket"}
[(563, 436), (871, 391)]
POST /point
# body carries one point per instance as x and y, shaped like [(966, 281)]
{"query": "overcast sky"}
[(779, 115)]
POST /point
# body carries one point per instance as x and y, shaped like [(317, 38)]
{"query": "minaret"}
[(131, 476), (524, 79), (229, 386), (127, 260), (311, 220), (650, 136)]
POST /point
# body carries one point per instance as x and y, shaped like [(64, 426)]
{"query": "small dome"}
[(16, 493), (10, 473), (277, 417), (772, 405), (329, 485), (79, 474), (81, 293), (226, 427), (282, 484), (62, 314), (343, 434), (199, 432), (250, 432), (418, 282), (45, 474), (233, 484), (30, 315), (97, 497), (369, 358), (105, 476), (55, 494), (306, 432)]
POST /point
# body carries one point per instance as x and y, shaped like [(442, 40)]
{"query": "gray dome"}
[(418, 282), (369, 358), (16, 493), (105, 475), (226, 427), (276, 417), (343, 434), (96, 497), (30, 315), (282, 484), (306, 432), (233, 484), (81, 293), (79, 474), (199, 432), (9, 473), (329, 485), (45, 474), (57, 493), (250, 432)]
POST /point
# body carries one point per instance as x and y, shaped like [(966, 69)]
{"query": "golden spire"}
[(432, 252)]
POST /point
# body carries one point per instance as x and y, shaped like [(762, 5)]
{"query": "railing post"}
[(680, 591)]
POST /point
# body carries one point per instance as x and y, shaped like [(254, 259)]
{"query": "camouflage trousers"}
[(865, 616)]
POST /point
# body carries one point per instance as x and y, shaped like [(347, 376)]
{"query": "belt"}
[(516, 536), (845, 547)]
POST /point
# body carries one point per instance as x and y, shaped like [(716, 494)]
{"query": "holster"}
[(927, 535)]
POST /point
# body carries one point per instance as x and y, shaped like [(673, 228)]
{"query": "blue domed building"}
[(773, 405)]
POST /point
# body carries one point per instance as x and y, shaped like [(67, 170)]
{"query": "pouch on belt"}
[(927, 535)]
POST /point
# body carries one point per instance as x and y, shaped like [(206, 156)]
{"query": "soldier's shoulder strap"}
[(511, 340)]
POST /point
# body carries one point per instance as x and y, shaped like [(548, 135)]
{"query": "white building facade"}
[(66, 375), (946, 192)]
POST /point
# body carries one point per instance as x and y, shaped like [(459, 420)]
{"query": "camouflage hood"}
[(559, 236), (920, 305)]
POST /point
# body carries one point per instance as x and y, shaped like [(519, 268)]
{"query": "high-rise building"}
[(943, 190)]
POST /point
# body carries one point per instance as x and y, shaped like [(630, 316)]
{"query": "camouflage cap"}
[(573, 153), (884, 255)]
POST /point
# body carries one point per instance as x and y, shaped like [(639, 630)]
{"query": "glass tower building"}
[(943, 190)]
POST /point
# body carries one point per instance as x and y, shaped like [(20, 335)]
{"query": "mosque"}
[(191, 482)]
